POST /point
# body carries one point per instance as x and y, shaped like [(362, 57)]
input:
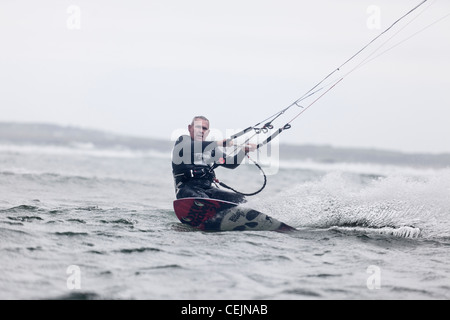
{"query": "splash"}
[(400, 205)]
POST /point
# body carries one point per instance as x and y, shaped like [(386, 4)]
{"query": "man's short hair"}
[(199, 117)]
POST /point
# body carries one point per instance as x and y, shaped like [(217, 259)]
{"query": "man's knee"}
[(226, 196), (188, 192)]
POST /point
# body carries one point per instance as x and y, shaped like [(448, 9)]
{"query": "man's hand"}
[(225, 143), (229, 143), (250, 147)]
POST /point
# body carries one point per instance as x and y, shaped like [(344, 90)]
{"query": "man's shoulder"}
[(183, 138), (186, 140)]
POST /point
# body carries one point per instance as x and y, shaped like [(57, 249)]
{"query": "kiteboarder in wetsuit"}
[(194, 160)]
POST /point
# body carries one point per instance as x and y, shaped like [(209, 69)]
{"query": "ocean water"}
[(79, 222)]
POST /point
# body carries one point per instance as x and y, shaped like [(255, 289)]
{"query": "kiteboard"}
[(217, 215)]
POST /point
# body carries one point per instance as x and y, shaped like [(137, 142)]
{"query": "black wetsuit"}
[(192, 167)]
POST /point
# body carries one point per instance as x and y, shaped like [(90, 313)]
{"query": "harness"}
[(197, 173)]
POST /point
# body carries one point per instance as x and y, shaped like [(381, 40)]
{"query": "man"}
[(194, 160)]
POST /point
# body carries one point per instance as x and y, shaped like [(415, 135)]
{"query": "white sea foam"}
[(401, 205), (357, 167)]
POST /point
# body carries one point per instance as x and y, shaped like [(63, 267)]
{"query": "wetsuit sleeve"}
[(186, 152), (183, 154), (232, 162)]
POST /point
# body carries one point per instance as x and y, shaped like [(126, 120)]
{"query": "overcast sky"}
[(146, 67)]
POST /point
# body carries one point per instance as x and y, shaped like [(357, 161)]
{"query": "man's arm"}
[(184, 150), (232, 162)]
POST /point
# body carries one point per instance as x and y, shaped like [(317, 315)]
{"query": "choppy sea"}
[(79, 222)]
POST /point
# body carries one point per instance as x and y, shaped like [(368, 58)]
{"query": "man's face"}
[(199, 130)]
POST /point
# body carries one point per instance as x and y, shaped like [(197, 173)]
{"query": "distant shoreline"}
[(51, 134)]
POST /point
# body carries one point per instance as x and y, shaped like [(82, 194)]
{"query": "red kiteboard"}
[(217, 215)]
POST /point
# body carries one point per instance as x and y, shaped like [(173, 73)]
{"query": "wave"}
[(83, 149), (52, 179), (363, 168), (78, 295), (397, 204)]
